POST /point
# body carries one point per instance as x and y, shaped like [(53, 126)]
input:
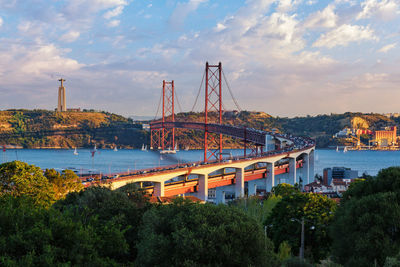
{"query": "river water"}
[(109, 161)]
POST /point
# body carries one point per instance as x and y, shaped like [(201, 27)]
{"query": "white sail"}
[(337, 149), (75, 151), (144, 148), (115, 148), (345, 149)]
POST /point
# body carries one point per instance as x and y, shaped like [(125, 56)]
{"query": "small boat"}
[(95, 148), (76, 152), (144, 148), (176, 148), (345, 149), (337, 149), (115, 148), (168, 151)]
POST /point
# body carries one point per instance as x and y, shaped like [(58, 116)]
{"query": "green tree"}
[(33, 236), (21, 179), (63, 183), (190, 234), (114, 216), (366, 227), (284, 223), (256, 208), (284, 189)]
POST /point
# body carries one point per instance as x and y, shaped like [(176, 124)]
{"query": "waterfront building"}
[(337, 173), (387, 137)]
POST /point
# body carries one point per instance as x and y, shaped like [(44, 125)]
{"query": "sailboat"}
[(176, 148), (76, 152), (337, 149), (115, 148), (345, 149), (95, 148), (144, 148)]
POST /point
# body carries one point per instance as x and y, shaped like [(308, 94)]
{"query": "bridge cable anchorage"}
[(158, 107), (198, 92), (230, 91)]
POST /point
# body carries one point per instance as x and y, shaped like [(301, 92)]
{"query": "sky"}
[(286, 58)]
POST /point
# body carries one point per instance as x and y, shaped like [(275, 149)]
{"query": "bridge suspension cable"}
[(198, 92), (177, 101), (230, 91), (158, 107)]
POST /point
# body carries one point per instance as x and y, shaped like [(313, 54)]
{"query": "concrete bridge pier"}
[(311, 165), (202, 191), (306, 169), (239, 186), (270, 179), (220, 196), (158, 189), (252, 188), (292, 171)]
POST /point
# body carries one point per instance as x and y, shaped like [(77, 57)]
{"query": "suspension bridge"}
[(268, 157)]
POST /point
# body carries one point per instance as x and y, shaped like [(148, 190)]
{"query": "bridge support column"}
[(305, 171), (220, 195), (203, 187), (158, 189), (311, 165), (292, 171), (252, 188), (239, 186), (270, 180)]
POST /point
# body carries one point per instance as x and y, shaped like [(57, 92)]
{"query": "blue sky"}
[(286, 58)]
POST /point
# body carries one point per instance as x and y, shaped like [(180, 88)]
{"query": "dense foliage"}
[(366, 227), (189, 234), (21, 179), (284, 222)]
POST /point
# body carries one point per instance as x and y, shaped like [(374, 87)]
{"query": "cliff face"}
[(75, 129)]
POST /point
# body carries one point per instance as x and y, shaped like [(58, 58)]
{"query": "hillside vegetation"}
[(77, 129), (107, 130), (320, 127)]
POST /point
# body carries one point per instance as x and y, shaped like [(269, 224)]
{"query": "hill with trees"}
[(35, 128), (51, 129)]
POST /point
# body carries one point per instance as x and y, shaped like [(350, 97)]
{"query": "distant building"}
[(74, 109), (344, 132), (146, 127), (331, 174), (62, 102), (386, 137)]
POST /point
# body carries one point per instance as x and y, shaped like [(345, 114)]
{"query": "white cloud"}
[(70, 36), (1, 22), (113, 23), (322, 19), (182, 10), (287, 5), (386, 48), (113, 13), (385, 9), (344, 35)]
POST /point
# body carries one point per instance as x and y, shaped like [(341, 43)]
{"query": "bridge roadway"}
[(249, 134), (300, 154)]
